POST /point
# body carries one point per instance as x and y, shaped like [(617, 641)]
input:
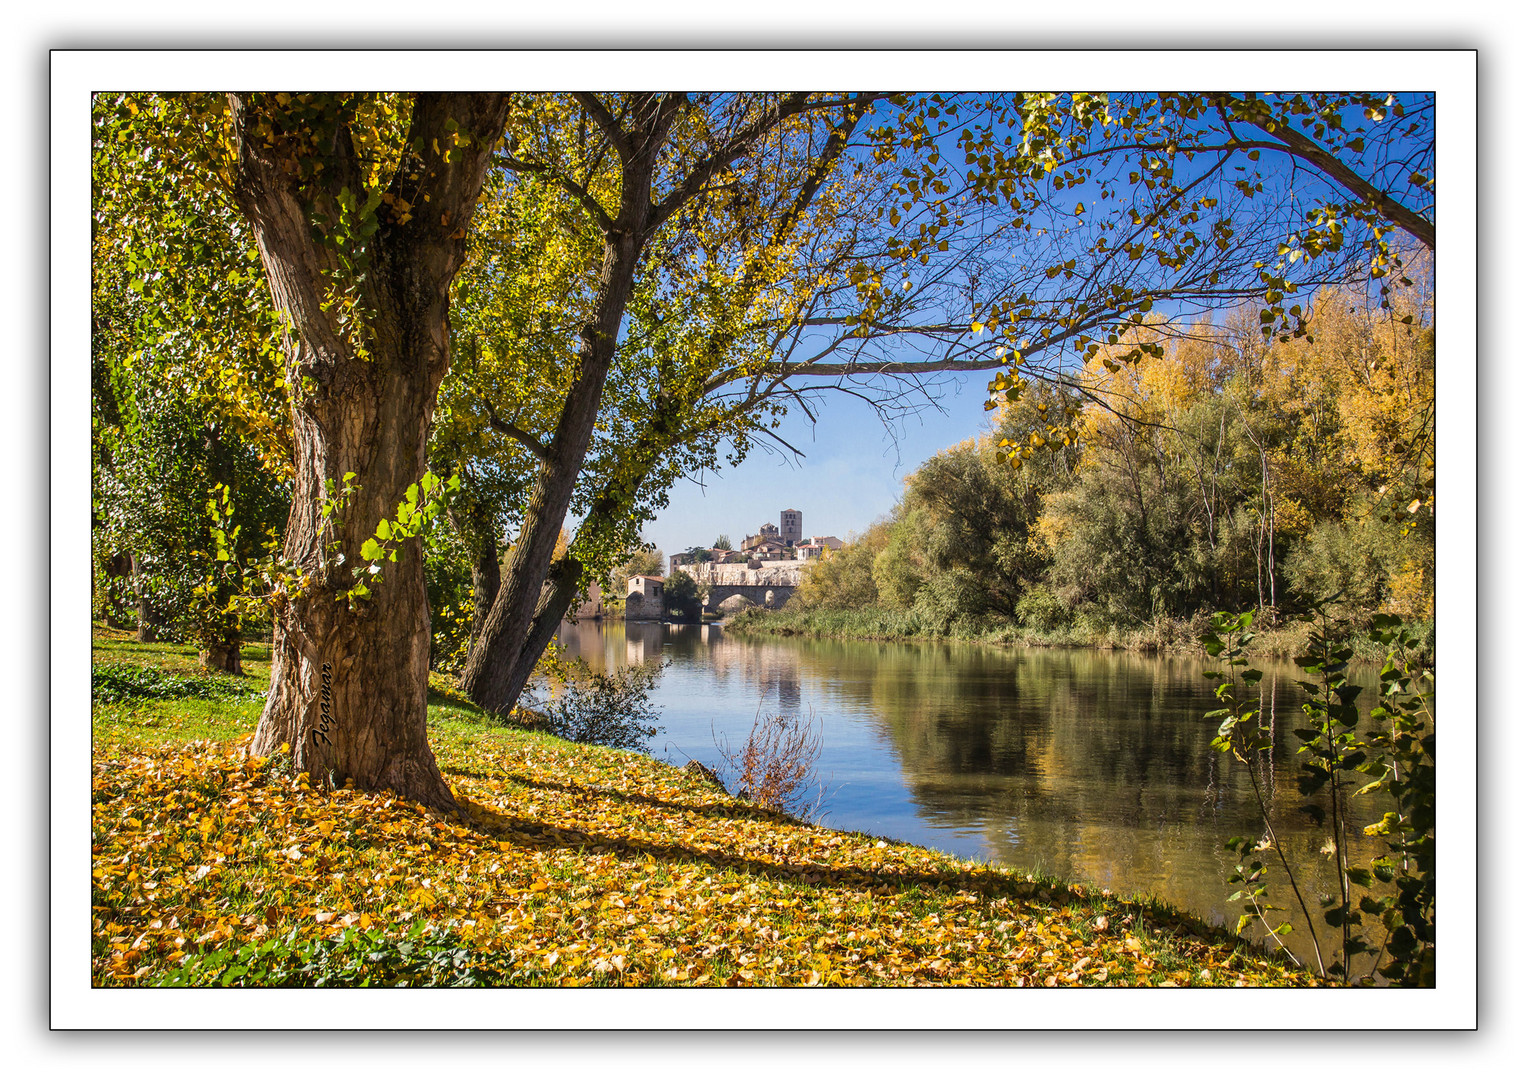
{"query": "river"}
[(1093, 766)]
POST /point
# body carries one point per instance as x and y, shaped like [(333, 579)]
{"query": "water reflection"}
[(1091, 765)]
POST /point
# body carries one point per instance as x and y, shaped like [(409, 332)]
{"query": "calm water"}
[(1094, 766)]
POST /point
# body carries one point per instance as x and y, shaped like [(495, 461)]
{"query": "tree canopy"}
[(566, 302)]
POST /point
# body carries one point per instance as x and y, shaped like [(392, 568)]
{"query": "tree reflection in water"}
[(1094, 766)]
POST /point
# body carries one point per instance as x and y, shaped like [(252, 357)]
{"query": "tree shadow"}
[(724, 809), (990, 884)]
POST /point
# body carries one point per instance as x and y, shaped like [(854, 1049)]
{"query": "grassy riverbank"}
[(1165, 635), (566, 865)]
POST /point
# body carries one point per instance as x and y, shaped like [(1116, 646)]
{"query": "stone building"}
[(790, 526), (767, 547), (767, 544), (813, 546), (644, 597)]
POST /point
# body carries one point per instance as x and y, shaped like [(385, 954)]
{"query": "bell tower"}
[(790, 526)]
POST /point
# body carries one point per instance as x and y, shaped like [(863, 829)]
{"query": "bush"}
[(608, 710), (776, 768), (1040, 609), (112, 684)]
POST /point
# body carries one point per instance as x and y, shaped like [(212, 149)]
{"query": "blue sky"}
[(853, 467), (851, 473)]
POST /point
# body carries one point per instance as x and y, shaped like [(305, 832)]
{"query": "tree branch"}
[(568, 184), (517, 433), (736, 146), (1308, 150), (606, 124)]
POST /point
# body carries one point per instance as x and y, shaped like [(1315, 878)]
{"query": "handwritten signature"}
[(326, 695)]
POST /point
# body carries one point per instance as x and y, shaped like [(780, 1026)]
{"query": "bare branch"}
[(788, 106)]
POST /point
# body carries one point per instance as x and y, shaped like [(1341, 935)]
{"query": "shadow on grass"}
[(729, 809), (533, 833), (990, 884)]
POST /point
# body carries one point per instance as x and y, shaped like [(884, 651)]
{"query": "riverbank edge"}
[(972, 916), (1171, 637)]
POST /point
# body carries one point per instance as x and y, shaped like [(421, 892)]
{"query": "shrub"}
[(1399, 889), (776, 768), (608, 710), (1040, 609)]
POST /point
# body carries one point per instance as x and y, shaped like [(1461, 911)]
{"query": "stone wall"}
[(770, 573)]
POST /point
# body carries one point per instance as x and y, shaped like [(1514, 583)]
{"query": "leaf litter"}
[(572, 865)]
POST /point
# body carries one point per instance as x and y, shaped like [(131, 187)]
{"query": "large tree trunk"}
[(349, 681), (487, 577), (535, 596), (224, 656), (222, 642), (496, 671), (349, 675), (504, 665), (508, 663), (516, 629)]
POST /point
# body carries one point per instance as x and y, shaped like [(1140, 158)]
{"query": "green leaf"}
[(371, 550)]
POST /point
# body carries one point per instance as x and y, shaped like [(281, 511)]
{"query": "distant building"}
[(767, 545), (790, 526), (644, 597), (831, 543), (592, 608)]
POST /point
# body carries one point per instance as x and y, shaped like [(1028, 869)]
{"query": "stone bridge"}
[(768, 586)]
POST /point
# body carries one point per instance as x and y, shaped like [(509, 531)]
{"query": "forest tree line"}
[(1228, 472)]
